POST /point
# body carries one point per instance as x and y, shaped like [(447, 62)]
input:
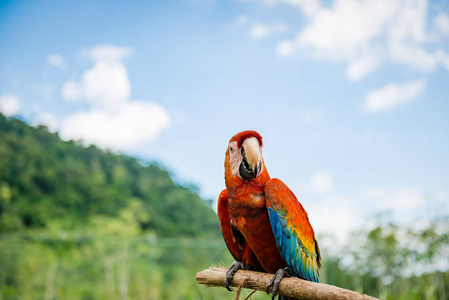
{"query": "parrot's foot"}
[(276, 280), (236, 265)]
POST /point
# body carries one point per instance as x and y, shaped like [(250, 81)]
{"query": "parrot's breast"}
[(250, 216)]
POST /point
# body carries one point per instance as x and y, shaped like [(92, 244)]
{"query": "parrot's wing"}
[(294, 235), (233, 238)]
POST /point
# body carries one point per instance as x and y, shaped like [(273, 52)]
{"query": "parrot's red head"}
[(244, 155)]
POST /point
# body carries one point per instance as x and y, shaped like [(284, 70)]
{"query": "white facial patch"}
[(235, 158)]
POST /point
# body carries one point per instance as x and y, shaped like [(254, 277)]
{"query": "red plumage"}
[(256, 228)]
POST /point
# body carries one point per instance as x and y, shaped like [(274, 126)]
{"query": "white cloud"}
[(359, 68), (121, 127), (404, 202), (393, 95), (415, 56), (242, 20), (443, 57), (285, 48), (56, 60), (105, 84), (339, 214), (113, 120), (343, 31), (442, 23), (308, 7), (9, 105), (41, 117), (337, 219), (403, 198), (259, 30), (363, 34), (108, 53), (322, 181)]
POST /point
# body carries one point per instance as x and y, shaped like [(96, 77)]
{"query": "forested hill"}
[(49, 183)]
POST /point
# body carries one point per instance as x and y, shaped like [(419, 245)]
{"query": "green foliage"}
[(83, 223), (70, 266), (44, 180), (394, 262)]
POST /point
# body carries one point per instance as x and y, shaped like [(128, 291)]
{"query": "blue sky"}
[(350, 96)]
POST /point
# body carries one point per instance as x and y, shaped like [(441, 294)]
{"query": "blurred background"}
[(115, 118)]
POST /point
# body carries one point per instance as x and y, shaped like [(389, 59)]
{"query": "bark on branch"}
[(291, 287)]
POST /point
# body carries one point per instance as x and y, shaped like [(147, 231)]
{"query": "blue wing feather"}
[(295, 255)]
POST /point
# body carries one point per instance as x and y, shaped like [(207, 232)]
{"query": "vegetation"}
[(82, 223), (46, 182), (393, 262)]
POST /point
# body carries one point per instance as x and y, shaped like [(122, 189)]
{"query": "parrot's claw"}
[(236, 265), (276, 280)]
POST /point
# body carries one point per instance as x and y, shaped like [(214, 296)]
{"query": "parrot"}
[(263, 224)]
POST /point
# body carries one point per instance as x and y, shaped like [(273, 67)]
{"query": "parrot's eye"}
[(231, 149)]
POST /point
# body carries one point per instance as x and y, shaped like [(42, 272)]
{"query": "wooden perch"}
[(291, 287)]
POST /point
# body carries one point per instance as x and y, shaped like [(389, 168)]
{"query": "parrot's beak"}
[(251, 162)]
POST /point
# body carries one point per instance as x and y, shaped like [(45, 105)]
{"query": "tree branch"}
[(291, 287)]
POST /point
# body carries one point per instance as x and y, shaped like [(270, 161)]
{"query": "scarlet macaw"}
[(263, 224)]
